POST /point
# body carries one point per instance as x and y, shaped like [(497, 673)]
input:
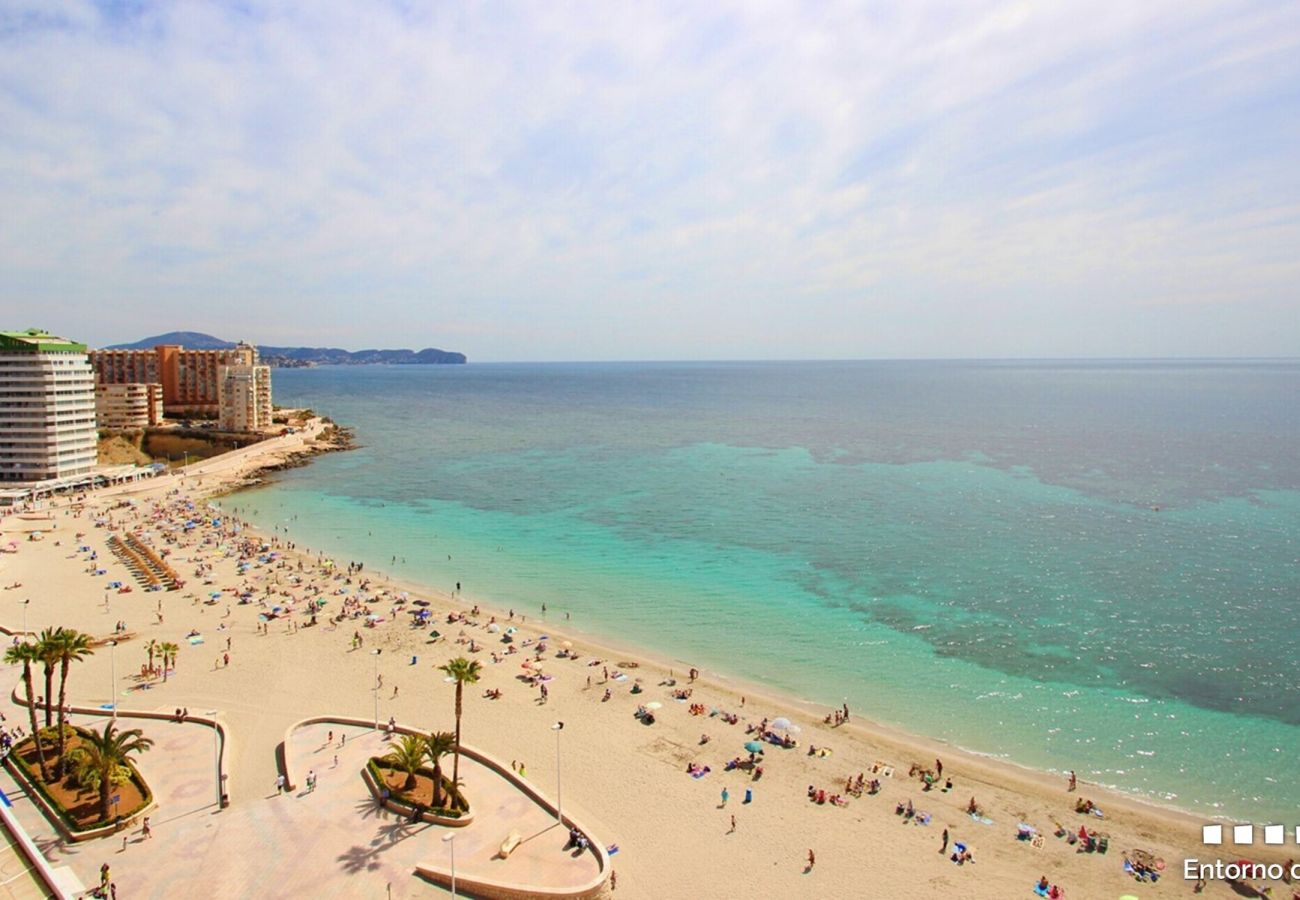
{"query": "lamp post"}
[(559, 793), (26, 603), (450, 840), (112, 694), (375, 653)]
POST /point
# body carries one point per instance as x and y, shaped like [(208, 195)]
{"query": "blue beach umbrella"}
[(753, 746)]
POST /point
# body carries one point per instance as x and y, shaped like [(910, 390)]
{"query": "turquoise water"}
[(1074, 566)]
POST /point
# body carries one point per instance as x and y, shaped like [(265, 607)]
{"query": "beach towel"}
[(983, 820), (196, 640)]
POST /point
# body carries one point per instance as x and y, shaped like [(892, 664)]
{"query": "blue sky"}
[(657, 181)]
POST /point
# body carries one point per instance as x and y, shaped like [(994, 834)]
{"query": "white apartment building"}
[(47, 408), (244, 398), (128, 407)]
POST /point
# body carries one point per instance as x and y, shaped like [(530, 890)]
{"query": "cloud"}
[(593, 180)]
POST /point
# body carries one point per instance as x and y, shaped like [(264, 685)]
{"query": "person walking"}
[(944, 848), (145, 831), (725, 796), (812, 860), (733, 825)]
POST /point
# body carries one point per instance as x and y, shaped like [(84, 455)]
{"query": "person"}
[(972, 808), (725, 796), (613, 876), (1074, 782), (944, 848), (733, 824), (1042, 885), (938, 768), (279, 784), (145, 831), (812, 860)]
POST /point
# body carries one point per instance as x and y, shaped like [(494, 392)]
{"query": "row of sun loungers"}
[(145, 564)]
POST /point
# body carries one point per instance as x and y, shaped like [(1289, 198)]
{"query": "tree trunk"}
[(31, 709), (60, 767), (409, 783), (105, 793), (437, 785), (49, 689), (455, 761)]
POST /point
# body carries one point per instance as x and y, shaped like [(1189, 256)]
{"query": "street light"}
[(26, 603), (559, 793), (112, 694), (375, 653), (450, 840)]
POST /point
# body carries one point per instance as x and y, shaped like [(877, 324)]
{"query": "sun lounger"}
[(510, 843)]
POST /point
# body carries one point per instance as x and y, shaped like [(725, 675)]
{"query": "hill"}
[(304, 356)]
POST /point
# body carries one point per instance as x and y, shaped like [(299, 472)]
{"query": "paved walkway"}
[(332, 842), (17, 881), (499, 808)]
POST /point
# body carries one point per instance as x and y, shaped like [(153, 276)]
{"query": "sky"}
[(606, 180)]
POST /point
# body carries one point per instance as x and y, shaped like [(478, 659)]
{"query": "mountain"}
[(305, 356), (195, 340)]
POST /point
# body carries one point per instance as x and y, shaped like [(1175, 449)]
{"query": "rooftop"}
[(35, 340)]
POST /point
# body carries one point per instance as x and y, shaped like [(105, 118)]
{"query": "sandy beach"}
[(628, 780)]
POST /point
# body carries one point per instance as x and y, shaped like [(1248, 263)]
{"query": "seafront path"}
[(331, 841)]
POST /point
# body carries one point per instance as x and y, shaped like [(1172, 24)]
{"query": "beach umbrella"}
[(215, 594), (782, 723), (753, 746), (511, 630), (493, 628), (794, 729), (566, 644), (654, 704)]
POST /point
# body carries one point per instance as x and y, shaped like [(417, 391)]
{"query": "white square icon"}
[(1211, 834), (1243, 834), (1274, 834)]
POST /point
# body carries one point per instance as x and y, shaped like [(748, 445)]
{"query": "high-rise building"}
[(245, 398), (188, 377), (128, 407), (47, 407)]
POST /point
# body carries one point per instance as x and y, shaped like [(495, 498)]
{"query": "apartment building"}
[(189, 378), (245, 398), (128, 407), (47, 408)]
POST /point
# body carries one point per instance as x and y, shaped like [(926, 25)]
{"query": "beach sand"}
[(626, 780)]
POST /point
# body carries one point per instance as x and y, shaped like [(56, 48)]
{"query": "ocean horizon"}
[(1068, 564)]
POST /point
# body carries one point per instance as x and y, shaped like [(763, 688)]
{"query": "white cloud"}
[(723, 179)]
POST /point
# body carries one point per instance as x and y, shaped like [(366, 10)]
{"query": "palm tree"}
[(106, 758), (28, 654), (438, 745), (464, 671), (74, 646), (47, 649), (406, 756), (168, 651), (151, 648)]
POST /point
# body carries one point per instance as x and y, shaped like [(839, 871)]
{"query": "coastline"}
[(1007, 790)]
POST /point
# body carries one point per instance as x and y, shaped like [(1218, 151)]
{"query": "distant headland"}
[(294, 357)]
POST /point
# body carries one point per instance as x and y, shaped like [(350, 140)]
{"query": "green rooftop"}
[(34, 340)]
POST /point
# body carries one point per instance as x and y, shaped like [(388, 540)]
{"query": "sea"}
[(1087, 565)]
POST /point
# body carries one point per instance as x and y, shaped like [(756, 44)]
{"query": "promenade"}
[(333, 841)]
